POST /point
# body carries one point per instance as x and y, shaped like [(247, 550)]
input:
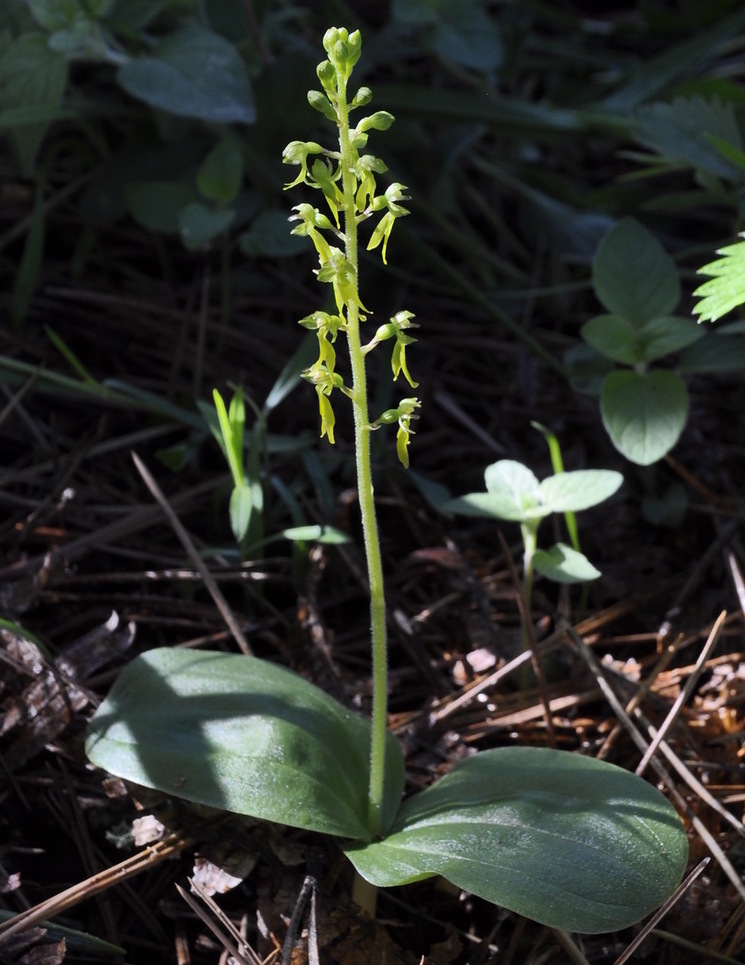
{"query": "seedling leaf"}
[(563, 564), (632, 274), (644, 413), (570, 492), (243, 735), (514, 489), (241, 504), (572, 842)]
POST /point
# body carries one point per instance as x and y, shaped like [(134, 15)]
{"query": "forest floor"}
[(94, 572)]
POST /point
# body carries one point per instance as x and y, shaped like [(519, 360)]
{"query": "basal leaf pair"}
[(564, 839)]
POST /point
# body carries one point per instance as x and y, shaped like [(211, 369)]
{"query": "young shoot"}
[(515, 494)]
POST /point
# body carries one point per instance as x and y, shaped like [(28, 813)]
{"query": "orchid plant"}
[(562, 838)]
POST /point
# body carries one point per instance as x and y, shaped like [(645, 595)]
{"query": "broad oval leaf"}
[(667, 334), (243, 735), (613, 336), (569, 841), (562, 564), (644, 413), (632, 274), (568, 492), (193, 73), (630, 344)]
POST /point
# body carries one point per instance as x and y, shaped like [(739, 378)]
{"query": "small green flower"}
[(337, 271), (390, 200), (404, 414), (327, 327), (395, 328), (325, 382), (311, 220), (297, 152), (365, 169), (325, 178)]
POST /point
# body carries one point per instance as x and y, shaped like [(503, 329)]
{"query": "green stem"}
[(362, 433), (530, 541)]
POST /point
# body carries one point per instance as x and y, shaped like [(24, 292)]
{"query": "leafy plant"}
[(568, 840), (644, 409), (514, 493)]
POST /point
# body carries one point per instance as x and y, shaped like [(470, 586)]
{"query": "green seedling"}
[(515, 494), (231, 424), (567, 840)]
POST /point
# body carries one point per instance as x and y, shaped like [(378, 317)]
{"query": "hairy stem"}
[(364, 485)]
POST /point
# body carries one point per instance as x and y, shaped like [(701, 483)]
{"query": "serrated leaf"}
[(562, 564), (243, 735), (193, 73), (632, 274), (682, 131), (726, 288), (569, 841), (644, 413), (568, 492)]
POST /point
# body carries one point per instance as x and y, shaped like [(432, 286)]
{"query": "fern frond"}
[(725, 290)]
